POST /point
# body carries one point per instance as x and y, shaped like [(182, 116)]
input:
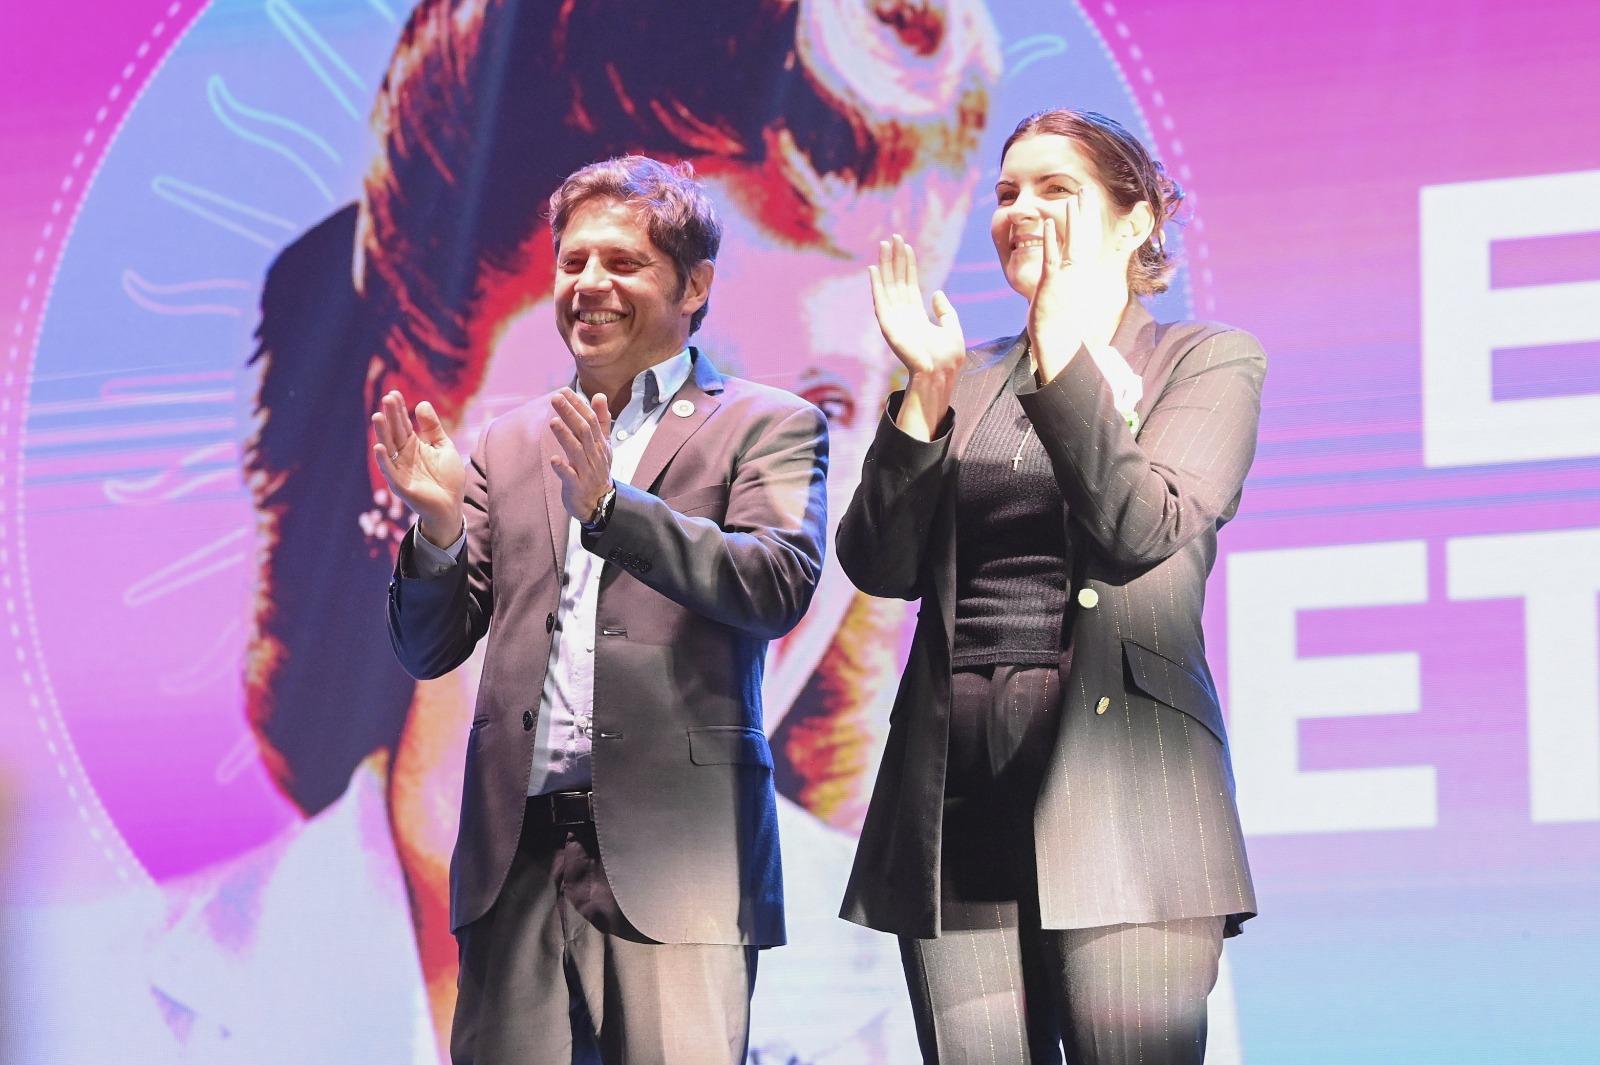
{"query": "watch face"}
[(602, 512)]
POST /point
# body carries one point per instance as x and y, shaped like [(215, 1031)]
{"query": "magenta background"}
[(1308, 129)]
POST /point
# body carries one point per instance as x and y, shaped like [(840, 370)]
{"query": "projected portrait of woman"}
[(819, 128)]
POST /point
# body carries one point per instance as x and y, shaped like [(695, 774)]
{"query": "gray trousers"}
[(997, 988), (554, 973)]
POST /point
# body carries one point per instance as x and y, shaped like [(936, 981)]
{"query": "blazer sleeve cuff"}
[(894, 446), (1079, 396)]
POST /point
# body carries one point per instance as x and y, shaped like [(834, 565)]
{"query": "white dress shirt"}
[(566, 706)]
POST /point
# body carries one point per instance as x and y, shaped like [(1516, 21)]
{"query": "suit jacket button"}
[(1087, 598), (644, 565), (1102, 705), (615, 554), (527, 721), (549, 622)]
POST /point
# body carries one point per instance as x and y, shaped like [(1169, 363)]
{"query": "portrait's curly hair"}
[(490, 104), (486, 107)]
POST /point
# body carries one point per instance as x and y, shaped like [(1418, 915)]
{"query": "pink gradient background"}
[(1308, 129)]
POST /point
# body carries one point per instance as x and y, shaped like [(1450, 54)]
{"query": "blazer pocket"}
[(729, 745), (712, 500), (1168, 683)]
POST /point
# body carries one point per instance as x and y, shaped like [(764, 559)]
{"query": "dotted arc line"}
[(1200, 274), (134, 75)]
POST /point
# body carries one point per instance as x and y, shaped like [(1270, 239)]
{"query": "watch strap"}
[(602, 512)]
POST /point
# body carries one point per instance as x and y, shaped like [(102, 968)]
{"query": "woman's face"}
[(1039, 175)]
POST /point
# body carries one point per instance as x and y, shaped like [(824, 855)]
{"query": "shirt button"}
[(1102, 705), (527, 721), (1088, 598), (622, 434)]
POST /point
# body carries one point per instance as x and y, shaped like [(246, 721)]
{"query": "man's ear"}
[(698, 288)]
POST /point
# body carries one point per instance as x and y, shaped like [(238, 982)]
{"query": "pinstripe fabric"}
[(997, 987), (970, 991), (1136, 821), (1142, 782), (1135, 994), (1132, 994), (978, 991)]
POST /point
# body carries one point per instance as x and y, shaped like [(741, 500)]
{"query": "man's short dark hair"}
[(673, 206)]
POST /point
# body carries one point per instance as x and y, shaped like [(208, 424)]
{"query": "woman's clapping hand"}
[(932, 350)]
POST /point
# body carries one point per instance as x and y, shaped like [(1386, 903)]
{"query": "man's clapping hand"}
[(584, 467), (422, 466)]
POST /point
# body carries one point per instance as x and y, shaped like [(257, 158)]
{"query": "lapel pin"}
[(683, 408)]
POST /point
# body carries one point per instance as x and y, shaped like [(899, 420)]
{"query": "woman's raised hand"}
[(1081, 289), (932, 349), (924, 345), (423, 467)]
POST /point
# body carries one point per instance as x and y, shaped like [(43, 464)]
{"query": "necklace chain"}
[(1016, 460)]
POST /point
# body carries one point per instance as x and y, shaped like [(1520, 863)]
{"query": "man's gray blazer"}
[(716, 552), (1136, 821)]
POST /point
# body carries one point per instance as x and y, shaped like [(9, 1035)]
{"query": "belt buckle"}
[(568, 808)]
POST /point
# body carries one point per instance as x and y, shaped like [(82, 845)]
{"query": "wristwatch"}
[(602, 513)]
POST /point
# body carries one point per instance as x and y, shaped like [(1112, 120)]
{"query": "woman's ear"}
[(1134, 228)]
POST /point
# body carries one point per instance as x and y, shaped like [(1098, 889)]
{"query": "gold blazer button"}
[(1088, 598), (1103, 705)]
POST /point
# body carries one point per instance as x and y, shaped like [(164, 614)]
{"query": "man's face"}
[(618, 303)]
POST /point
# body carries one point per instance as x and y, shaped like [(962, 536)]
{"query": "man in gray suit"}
[(629, 547)]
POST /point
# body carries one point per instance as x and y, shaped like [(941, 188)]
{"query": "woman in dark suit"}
[(1053, 832)]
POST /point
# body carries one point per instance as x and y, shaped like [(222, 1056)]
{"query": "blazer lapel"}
[(1130, 339), (555, 510), (1135, 341), (975, 392), (700, 391)]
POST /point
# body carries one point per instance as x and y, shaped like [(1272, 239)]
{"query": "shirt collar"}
[(656, 385), (659, 382), (667, 377)]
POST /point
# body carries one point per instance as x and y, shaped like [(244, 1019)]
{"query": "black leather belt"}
[(562, 808)]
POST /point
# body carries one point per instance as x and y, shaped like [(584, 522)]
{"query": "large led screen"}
[(224, 232)]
